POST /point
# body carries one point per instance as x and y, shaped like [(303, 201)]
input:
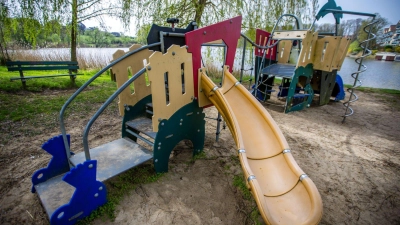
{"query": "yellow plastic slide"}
[(283, 192)]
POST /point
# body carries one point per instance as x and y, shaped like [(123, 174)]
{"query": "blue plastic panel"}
[(58, 163)]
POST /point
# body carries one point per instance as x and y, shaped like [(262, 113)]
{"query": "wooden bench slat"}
[(22, 66), (47, 76), (16, 63), (25, 68)]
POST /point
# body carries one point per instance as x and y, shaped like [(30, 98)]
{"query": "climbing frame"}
[(132, 65)]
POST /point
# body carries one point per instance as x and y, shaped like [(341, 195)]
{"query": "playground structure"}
[(313, 70), (171, 88)]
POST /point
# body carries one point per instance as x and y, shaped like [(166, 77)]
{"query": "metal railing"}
[(103, 107), (68, 102)]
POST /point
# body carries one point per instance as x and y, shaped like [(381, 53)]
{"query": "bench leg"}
[(21, 74), (72, 77)]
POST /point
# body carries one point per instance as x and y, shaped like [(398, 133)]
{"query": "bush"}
[(374, 52), (388, 48), (353, 46), (397, 49), (357, 49)]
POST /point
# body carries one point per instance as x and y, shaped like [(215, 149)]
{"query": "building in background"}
[(391, 35)]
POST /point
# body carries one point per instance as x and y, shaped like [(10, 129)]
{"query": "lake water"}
[(379, 74)]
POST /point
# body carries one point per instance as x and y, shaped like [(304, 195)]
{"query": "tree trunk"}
[(3, 49), (199, 11), (73, 29)]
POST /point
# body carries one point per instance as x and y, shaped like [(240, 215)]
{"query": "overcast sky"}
[(387, 8)]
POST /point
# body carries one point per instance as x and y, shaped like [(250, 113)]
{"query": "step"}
[(54, 193), (143, 125), (149, 105), (280, 70), (112, 158), (300, 95), (115, 157), (149, 110)]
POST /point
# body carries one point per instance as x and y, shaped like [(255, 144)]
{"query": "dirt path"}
[(355, 166)]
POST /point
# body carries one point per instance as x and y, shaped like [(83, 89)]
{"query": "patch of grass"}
[(41, 84), (376, 90), (17, 104), (119, 187), (240, 183), (201, 155)]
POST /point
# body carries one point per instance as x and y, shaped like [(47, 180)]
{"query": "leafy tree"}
[(142, 33), (326, 27), (71, 12), (256, 13), (376, 28), (7, 26), (99, 38)]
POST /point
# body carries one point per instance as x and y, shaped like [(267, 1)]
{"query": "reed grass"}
[(215, 73), (88, 60)]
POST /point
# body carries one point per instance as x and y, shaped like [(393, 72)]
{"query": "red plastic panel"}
[(228, 31), (262, 39)]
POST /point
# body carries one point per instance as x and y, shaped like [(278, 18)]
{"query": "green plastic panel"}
[(306, 72), (187, 123), (331, 4)]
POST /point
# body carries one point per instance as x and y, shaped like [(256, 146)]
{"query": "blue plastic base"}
[(88, 196), (342, 94)]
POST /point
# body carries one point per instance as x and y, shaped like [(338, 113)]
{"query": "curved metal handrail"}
[(66, 104), (103, 107), (284, 15)]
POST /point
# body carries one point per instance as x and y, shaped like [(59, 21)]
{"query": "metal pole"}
[(243, 56), (162, 42), (103, 107), (66, 104), (219, 114)]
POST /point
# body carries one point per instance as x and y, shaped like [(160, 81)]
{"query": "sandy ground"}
[(355, 166)]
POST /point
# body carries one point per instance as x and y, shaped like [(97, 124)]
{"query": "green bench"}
[(21, 66)]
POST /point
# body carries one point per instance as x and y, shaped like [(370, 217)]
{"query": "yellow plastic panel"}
[(307, 52), (171, 63), (325, 51), (341, 53), (134, 63), (284, 48)]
